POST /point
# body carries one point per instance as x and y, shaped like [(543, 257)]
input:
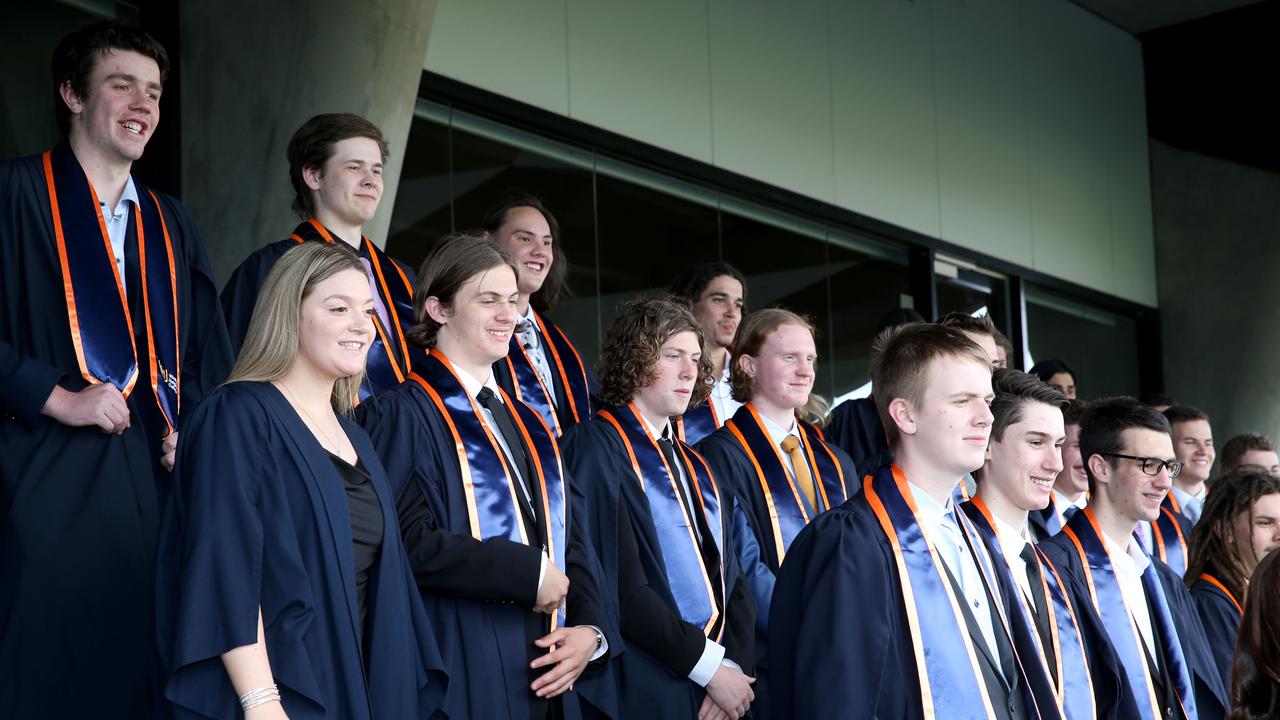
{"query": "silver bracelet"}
[(259, 696)]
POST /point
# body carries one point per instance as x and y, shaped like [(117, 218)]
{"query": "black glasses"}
[(1150, 465)]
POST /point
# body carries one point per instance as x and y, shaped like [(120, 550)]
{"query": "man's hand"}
[(572, 650), (731, 690), (711, 711), (101, 405), (169, 450), (554, 588)]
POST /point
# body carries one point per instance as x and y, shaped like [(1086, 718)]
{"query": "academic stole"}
[(699, 596), (699, 422), (1049, 515), (563, 358), (950, 678), (390, 358), (97, 308), (493, 510), (1167, 541), (1074, 691), (1215, 582), (1117, 617), (787, 512)]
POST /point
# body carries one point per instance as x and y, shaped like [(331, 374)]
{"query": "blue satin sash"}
[(1117, 618), (1167, 540), (788, 510), (1074, 690), (493, 508), (1049, 515), (390, 358), (697, 423), (697, 589), (563, 359), (949, 675), (101, 325)]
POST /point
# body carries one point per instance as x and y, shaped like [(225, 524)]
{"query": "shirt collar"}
[(529, 315), (1062, 502), (777, 433), (1012, 539), (473, 386), (928, 509), (657, 431), (1183, 497), (130, 193), (1130, 560)]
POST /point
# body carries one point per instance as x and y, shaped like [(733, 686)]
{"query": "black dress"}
[(366, 524)]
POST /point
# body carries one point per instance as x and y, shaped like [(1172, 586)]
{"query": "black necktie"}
[(669, 452), (1032, 563), (515, 444)]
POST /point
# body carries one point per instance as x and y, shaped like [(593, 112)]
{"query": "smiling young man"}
[(662, 523), (111, 333), (1071, 487), (1193, 444), (335, 166), (1023, 459), (1148, 616), (717, 293), (544, 369), (887, 606)]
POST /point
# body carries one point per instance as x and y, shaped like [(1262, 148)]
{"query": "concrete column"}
[(1217, 227), (252, 72)]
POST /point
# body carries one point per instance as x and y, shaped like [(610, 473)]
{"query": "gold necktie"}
[(791, 446)]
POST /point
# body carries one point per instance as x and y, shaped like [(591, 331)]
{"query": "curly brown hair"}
[(632, 345)]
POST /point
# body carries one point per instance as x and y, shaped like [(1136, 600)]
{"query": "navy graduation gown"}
[(649, 687), (260, 518), (574, 402), (1220, 615), (479, 594), (1210, 695), (854, 426), (80, 509)]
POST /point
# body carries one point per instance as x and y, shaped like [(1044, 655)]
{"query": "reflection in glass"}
[(1100, 346)]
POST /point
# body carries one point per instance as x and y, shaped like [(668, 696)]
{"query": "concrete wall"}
[(1218, 251), (253, 72), (1012, 127)]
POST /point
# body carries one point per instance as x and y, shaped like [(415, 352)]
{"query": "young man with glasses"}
[(1147, 613)]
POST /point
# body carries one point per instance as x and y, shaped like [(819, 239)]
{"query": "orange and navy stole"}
[(1074, 690), (563, 359), (1117, 618), (697, 422), (949, 674), (788, 512), (699, 591), (97, 309), (1167, 539), (1049, 518), (390, 357), (493, 509), (1215, 582)]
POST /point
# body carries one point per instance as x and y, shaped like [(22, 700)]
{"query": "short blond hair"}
[(900, 364), (271, 342)]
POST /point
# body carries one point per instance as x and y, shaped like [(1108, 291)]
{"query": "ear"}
[(987, 452), (437, 311), (1099, 468), (73, 101), (311, 176), (748, 365), (902, 416)]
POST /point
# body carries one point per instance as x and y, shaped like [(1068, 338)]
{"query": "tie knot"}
[(485, 395), (523, 325), (1028, 554), (790, 443)]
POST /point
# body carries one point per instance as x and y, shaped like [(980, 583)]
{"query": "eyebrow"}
[(134, 79), (346, 298)]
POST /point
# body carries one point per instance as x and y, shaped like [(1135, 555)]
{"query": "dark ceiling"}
[(1139, 16)]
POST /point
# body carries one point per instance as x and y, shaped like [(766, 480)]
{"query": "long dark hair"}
[(554, 287), (1255, 672), (1216, 548)]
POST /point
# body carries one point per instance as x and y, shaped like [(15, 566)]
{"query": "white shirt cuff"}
[(542, 575), (707, 665), (604, 644)]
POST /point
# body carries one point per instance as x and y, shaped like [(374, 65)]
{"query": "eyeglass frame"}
[(1173, 466)]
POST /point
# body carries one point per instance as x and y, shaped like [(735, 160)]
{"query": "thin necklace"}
[(337, 449)]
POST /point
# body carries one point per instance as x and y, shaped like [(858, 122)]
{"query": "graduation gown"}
[(79, 509), (574, 384), (662, 649), (841, 631), (390, 356), (260, 518), (1209, 693), (854, 426), (1171, 535), (480, 594), (1220, 614)]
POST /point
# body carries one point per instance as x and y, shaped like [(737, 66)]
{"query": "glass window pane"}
[(1100, 346), (971, 291), (422, 213), (863, 290)]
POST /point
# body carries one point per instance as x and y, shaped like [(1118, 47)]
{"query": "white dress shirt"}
[(1129, 563), (1062, 502), (1192, 505), (1012, 541), (942, 529), (722, 394), (712, 652), (117, 222), (777, 434), (527, 333)]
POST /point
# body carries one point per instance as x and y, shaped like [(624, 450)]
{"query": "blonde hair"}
[(271, 342)]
